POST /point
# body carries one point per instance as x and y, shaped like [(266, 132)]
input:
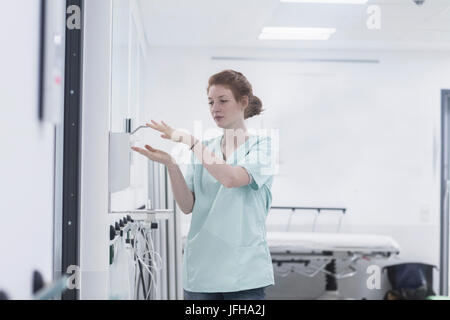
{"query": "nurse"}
[(227, 188)]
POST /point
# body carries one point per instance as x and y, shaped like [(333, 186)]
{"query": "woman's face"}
[(225, 110)]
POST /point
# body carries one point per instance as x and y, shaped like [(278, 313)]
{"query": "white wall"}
[(27, 160), (365, 136), (94, 230)]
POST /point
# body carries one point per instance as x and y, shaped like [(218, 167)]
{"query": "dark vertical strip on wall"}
[(72, 149)]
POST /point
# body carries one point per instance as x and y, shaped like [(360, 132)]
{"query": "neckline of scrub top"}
[(232, 154)]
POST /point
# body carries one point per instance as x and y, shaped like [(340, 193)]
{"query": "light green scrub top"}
[(226, 248)]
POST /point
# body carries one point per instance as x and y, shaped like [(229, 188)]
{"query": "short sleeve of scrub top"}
[(258, 163), (226, 248)]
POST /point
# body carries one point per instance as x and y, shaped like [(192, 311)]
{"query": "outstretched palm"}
[(167, 133), (154, 154)]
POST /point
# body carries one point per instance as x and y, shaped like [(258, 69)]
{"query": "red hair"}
[(240, 87)]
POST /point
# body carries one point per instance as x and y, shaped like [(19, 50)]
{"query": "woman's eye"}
[(222, 101)]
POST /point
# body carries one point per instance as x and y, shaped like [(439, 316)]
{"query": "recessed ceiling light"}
[(286, 33), (328, 1)]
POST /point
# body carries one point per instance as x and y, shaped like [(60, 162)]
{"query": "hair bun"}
[(254, 107)]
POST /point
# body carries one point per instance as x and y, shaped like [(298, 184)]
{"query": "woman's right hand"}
[(155, 155)]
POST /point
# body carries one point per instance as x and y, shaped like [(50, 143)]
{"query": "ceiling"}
[(238, 23)]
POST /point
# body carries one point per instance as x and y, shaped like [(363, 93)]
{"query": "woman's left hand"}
[(170, 133), (156, 155)]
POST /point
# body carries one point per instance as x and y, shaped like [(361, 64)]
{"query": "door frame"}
[(71, 151), (445, 184)]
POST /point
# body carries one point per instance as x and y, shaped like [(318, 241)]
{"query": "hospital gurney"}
[(309, 253)]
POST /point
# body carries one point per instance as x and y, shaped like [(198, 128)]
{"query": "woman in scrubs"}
[(227, 188)]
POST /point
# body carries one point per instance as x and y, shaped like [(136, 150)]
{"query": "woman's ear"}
[(245, 101)]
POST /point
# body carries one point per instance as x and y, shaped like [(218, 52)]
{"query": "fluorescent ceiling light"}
[(286, 33), (328, 1)]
